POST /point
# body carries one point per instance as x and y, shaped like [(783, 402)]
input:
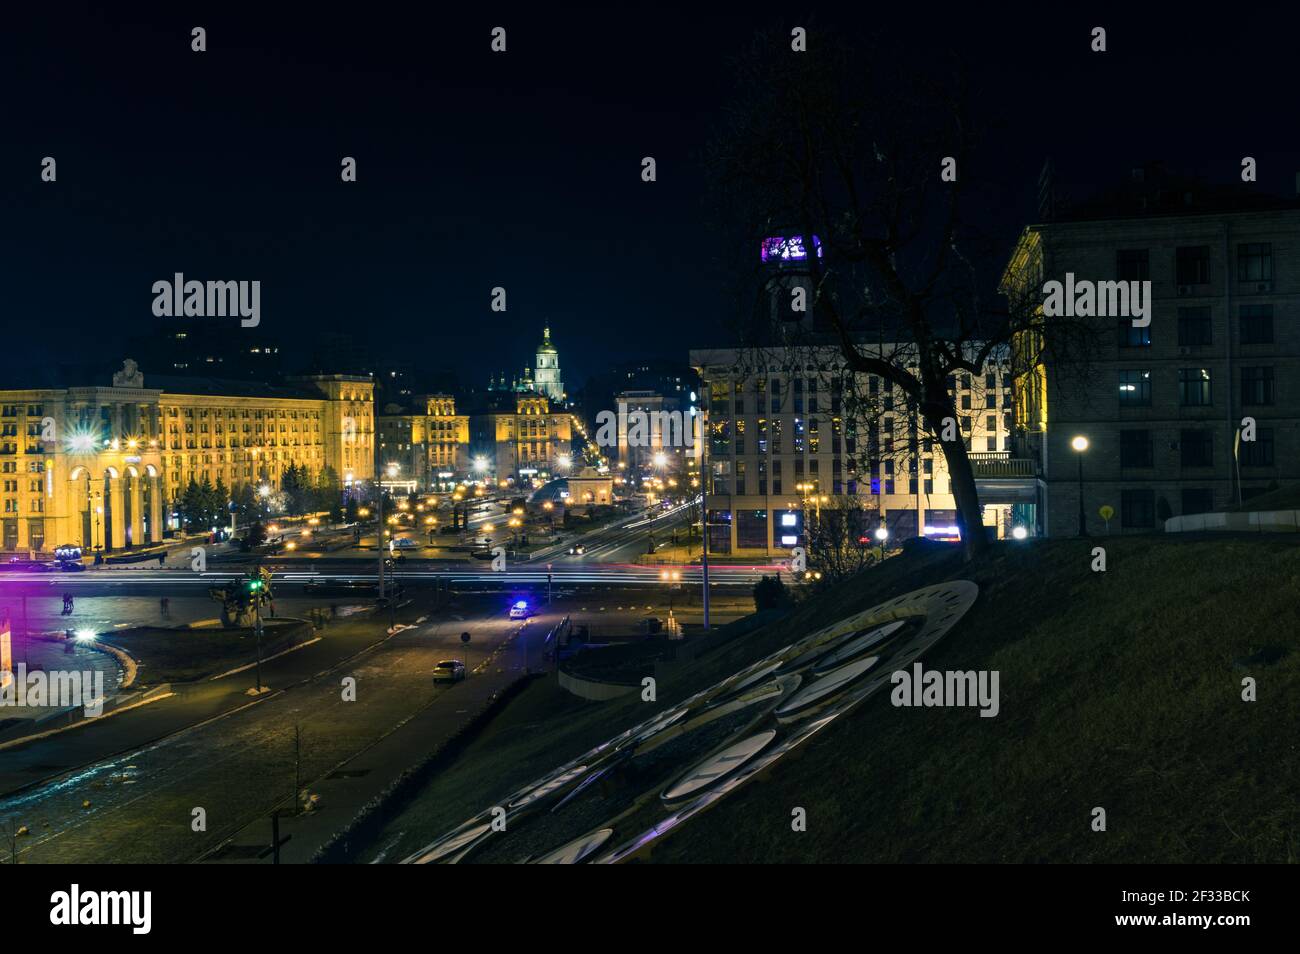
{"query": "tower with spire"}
[(546, 374)]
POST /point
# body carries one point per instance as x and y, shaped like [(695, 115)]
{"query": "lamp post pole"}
[(256, 581), (1080, 444), (1083, 518), (704, 512)]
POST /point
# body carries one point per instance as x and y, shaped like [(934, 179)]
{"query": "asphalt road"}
[(239, 764)]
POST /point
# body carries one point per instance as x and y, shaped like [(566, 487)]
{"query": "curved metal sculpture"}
[(615, 801)]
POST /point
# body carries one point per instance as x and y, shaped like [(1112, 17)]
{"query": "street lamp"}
[(882, 534), (673, 578), (1080, 444)]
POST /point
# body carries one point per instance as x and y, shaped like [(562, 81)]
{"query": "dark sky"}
[(520, 170)]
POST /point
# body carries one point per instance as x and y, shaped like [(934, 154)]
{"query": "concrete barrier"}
[(1254, 521)]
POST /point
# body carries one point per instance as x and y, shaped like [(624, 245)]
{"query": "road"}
[(239, 765)]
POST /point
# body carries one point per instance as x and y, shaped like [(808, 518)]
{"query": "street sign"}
[(464, 637)]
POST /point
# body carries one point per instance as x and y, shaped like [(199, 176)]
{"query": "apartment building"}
[(788, 433), (1197, 410)]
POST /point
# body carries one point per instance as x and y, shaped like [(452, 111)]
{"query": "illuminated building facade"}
[(430, 447), (781, 435), (519, 437), (99, 467), (546, 373)]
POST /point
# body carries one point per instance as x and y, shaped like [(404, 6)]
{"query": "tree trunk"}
[(969, 517)]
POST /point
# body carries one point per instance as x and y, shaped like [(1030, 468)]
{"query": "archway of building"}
[(115, 511)]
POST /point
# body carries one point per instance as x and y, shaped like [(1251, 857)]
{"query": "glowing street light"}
[(1080, 444), (1019, 533)]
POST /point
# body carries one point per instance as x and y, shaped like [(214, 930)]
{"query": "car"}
[(26, 566), (449, 670), (577, 549), (520, 610), (404, 543), (67, 566)]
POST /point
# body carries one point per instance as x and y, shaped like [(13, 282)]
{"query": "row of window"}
[(1192, 264), (1196, 387), (1195, 328), (1195, 448), (728, 398)]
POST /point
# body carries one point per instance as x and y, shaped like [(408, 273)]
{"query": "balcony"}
[(995, 465)]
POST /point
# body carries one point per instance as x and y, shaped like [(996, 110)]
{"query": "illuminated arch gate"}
[(617, 800)]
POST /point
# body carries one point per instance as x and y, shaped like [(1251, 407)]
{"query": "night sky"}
[(521, 170)]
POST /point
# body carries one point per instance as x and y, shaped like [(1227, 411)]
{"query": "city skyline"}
[(649, 435)]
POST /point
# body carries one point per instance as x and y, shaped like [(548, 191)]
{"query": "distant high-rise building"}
[(196, 349)]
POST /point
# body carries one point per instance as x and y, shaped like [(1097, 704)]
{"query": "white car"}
[(404, 543), (520, 610), (449, 670)]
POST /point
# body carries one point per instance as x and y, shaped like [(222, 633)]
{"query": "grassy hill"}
[(1118, 690)]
